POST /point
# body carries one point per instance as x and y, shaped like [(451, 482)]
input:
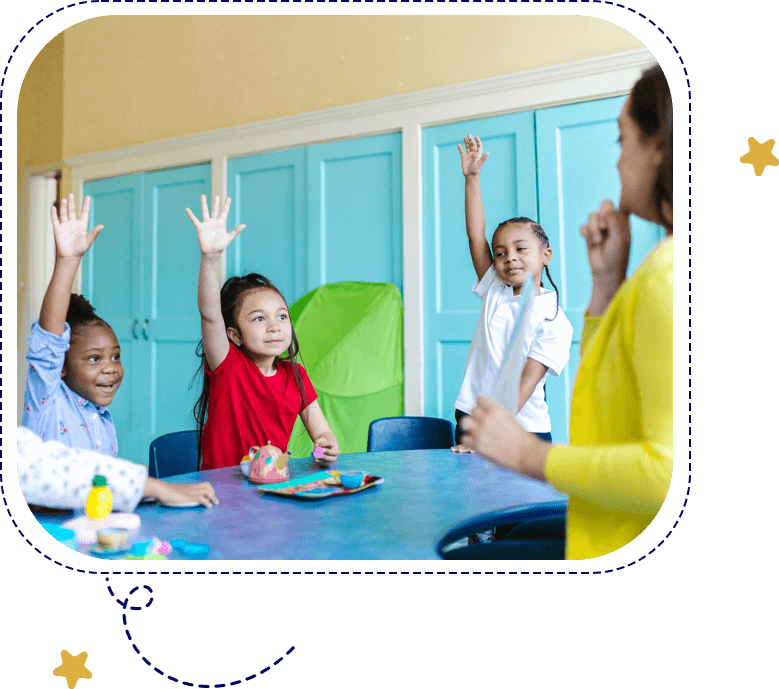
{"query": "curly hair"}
[(81, 314)]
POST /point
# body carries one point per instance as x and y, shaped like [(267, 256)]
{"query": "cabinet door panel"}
[(268, 195), (111, 282), (354, 211), (170, 297)]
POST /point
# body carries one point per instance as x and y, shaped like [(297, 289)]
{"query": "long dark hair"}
[(543, 240), (652, 110), (231, 298)]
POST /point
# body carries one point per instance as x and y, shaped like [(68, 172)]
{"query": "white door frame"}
[(583, 80)]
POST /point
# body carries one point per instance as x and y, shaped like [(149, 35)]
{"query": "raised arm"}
[(72, 241), (472, 161), (213, 237)]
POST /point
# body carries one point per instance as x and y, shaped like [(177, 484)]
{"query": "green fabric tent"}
[(351, 345)]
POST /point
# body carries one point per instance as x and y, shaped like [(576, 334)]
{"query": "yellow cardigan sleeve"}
[(591, 324), (632, 477)]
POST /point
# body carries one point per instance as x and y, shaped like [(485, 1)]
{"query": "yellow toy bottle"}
[(99, 499)]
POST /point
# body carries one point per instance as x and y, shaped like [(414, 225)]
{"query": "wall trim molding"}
[(546, 86)]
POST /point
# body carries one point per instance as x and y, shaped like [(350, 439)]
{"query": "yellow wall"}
[(116, 81), (130, 80), (38, 140)]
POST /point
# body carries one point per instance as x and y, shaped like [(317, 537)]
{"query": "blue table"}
[(424, 492)]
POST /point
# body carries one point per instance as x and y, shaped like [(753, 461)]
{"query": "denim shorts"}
[(546, 436)]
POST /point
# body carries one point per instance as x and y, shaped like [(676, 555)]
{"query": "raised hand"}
[(70, 232), (607, 234), (212, 234), (472, 158)]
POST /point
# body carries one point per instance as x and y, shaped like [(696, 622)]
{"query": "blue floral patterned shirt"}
[(51, 409)]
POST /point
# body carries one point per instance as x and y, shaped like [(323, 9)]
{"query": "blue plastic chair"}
[(410, 433), (538, 533), (173, 454)]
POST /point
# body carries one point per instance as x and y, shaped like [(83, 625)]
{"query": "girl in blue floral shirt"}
[(74, 356)]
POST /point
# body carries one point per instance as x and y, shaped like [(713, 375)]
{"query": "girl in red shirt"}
[(253, 387)]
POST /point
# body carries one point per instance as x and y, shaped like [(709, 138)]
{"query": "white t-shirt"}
[(548, 342)]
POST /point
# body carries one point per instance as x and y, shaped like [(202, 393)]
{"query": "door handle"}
[(135, 335), (143, 329)]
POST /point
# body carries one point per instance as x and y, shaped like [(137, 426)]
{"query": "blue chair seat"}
[(537, 533), (173, 454), (410, 433)]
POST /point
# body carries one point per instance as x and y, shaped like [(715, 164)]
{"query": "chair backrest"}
[(538, 533), (410, 433), (173, 454)]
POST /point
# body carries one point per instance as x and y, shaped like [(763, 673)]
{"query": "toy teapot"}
[(268, 464)]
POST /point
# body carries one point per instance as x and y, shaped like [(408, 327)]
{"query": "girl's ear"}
[(234, 335), (547, 256), (65, 368)]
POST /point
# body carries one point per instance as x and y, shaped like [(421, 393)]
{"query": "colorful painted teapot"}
[(268, 464)]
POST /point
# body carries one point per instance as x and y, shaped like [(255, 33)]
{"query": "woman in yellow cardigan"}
[(618, 465)]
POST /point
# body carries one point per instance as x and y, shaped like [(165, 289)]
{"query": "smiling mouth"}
[(107, 388)]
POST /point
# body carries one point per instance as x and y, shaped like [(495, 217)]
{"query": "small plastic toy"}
[(268, 464), (99, 499), (112, 538), (351, 479), (318, 452), (191, 551), (153, 547)]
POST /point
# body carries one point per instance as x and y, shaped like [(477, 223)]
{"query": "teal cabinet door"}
[(170, 329), (268, 194), (508, 184), (111, 281), (355, 229), (319, 214), (577, 158), (141, 276)]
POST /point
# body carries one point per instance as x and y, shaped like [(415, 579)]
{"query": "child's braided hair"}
[(544, 241)]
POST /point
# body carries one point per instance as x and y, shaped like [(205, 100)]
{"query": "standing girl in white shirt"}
[(521, 251)]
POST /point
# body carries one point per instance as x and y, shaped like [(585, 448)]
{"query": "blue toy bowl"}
[(351, 479)]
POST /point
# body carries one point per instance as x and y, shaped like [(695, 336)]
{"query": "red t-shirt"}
[(246, 408)]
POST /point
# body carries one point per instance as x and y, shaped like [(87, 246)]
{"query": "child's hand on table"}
[(329, 444), (462, 448), (175, 494)]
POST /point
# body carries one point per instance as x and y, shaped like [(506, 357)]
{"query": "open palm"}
[(472, 158), (212, 234), (70, 231)]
